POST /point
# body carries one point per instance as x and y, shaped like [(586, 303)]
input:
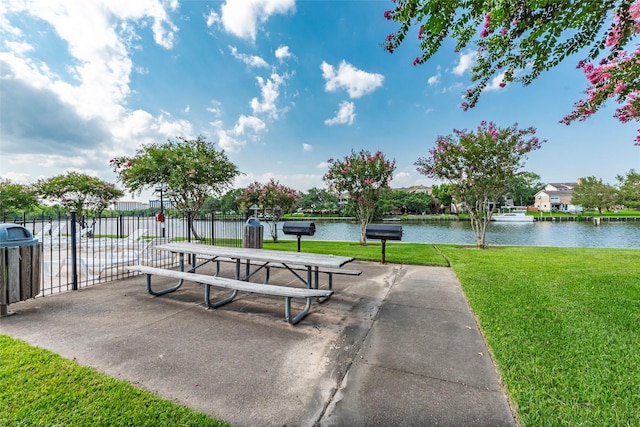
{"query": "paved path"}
[(395, 346)]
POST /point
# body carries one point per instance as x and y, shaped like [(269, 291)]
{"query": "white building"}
[(555, 196), (130, 206)]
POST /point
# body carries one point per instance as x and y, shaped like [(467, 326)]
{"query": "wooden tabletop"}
[(266, 255)]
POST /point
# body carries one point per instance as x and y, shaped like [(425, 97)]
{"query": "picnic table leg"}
[(298, 317), (323, 299), (214, 305), (164, 291)]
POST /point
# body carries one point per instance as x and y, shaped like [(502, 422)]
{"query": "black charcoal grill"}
[(299, 228), (384, 232)]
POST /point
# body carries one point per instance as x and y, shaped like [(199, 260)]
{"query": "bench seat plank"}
[(238, 285)]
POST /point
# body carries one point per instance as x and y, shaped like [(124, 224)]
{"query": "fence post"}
[(120, 226), (213, 228), (189, 226), (74, 268)]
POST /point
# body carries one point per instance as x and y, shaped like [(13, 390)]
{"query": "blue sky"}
[(281, 86)]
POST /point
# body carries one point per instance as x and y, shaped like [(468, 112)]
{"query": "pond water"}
[(569, 234)]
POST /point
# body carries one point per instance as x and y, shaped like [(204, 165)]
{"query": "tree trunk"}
[(192, 228), (273, 227)]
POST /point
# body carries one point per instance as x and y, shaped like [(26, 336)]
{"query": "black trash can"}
[(20, 265), (252, 233)]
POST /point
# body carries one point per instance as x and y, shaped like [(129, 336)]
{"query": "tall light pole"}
[(161, 215)]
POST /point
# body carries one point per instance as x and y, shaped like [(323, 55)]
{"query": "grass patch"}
[(40, 388), (564, 327), (398, 253)]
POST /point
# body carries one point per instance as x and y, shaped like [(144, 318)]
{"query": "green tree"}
[(229, 202), (275, 200), (363, 176), (407, 202), (442, 194), (592, 193), (516, 41), (416, 203), (319, 200), (629, 189), (88, 196), (478, 166), (389, 200), (523, 187), (188, 170), (16, 197)]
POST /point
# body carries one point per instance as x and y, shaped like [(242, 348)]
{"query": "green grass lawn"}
[(563, 325), (398, 253), (40, 388)]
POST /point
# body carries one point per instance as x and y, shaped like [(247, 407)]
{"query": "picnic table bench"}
[(259, 258), (238, 285)]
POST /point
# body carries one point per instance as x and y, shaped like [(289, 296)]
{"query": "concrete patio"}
[(397, 345)]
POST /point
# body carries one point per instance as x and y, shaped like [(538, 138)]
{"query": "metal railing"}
[(76, 257)]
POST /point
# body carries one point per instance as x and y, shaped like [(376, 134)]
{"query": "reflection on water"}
[(571, 234)]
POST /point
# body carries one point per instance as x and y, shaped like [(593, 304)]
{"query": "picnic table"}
[(255, 260)]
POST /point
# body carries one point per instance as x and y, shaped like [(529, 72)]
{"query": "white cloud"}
[(433, 80), (242, 17), (283, 52), (213, 18), (356, 82), (250, 60), (300, 182), (322, 165), (18, 48), (270, 91), (83, 111), (345, 115), (495, 82), (307, 147), (465, 63), (401, 177), (229, 143), (216, 108), (187, 108), (248, 122)]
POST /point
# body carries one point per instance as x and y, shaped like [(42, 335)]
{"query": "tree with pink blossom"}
[(363, 176), (478, 166), (617, 76), (275, 200), (516, 41)]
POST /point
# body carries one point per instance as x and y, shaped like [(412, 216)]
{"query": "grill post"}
[(384, 243)]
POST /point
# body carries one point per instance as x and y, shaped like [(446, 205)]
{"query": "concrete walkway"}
[(396, 346)]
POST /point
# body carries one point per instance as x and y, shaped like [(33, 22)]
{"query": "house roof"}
[(558, 193), (562, 185)]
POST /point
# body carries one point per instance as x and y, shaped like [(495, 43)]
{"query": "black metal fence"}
[(75, 256)]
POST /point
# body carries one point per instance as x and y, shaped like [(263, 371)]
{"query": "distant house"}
[(415, 189), (129, 206), (555, 196)]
